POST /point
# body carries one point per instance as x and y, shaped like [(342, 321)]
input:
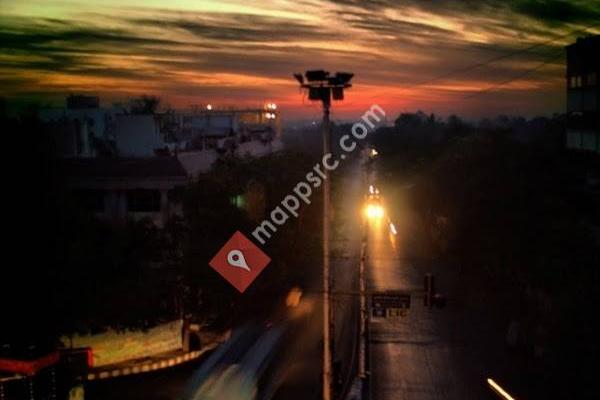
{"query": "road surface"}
[(424, 355)]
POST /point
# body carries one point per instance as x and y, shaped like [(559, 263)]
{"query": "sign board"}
[(389, 304)]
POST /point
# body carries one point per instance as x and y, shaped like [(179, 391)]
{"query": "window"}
[(575, 82), (143, 200), (591, 79)]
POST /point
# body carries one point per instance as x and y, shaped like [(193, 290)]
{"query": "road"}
[(304, 351), (424, 355)]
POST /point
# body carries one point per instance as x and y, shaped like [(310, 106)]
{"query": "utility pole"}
[(321, 87)]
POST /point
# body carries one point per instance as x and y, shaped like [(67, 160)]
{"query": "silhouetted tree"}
[(144, 105)]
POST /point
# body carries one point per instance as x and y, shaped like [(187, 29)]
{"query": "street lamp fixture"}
[(323, 86), (299, 78)]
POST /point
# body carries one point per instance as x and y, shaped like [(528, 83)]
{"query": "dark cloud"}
[(378, 23), (550, 12), (48, 48), (557, 12), (235, 27), (59, 46), (43, 35)]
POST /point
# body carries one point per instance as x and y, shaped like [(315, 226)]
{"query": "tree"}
[(144, 105)]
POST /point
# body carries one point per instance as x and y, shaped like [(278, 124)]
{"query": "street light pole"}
[(326, 278), (322, 87)]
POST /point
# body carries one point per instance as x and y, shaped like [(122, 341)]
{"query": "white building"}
[(82, 129), (198, 138)]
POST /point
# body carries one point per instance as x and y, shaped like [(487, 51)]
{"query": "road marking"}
[(154, 366), (498, 389)]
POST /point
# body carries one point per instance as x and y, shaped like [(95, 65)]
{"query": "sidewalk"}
[(149, 364)]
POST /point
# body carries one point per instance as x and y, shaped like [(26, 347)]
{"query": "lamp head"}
[(316, 75), (299, 78)]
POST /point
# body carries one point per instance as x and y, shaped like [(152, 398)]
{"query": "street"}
[(425, 354)]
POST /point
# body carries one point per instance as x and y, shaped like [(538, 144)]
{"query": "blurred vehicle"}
[(243, 368), (373, 193)]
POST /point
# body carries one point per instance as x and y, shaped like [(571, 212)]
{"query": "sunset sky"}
[(405, 55)]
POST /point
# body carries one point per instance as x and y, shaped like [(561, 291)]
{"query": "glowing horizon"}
[(244, 53)]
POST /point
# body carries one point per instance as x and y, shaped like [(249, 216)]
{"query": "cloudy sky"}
[(473, 58)]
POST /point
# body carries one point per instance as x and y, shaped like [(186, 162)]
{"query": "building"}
[(82, 129), (583, 95), (138, 135), (198, 137), (224, 129), (119, 189), (202, 136)]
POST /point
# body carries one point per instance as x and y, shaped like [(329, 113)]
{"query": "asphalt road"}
[(424, 355), (305, 347)]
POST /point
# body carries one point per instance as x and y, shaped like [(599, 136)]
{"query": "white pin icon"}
[(235, 258)]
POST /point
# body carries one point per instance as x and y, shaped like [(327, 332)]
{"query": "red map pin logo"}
[(239, 261)]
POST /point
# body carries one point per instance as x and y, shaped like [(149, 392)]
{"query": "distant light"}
[(374, 153), (374, 211), (376, 191), (393, 228), (238, 201), (209, 107), (371, 190), (274, 106), (499, 389), (293, 297)]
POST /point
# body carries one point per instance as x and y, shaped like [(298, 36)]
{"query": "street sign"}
[(389, 304), (395, 312)]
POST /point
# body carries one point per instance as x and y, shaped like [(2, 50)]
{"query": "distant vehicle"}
[(373, 193), (374, 207)]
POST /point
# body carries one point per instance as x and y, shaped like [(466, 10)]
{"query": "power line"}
[(501, 57), (516, 77)]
